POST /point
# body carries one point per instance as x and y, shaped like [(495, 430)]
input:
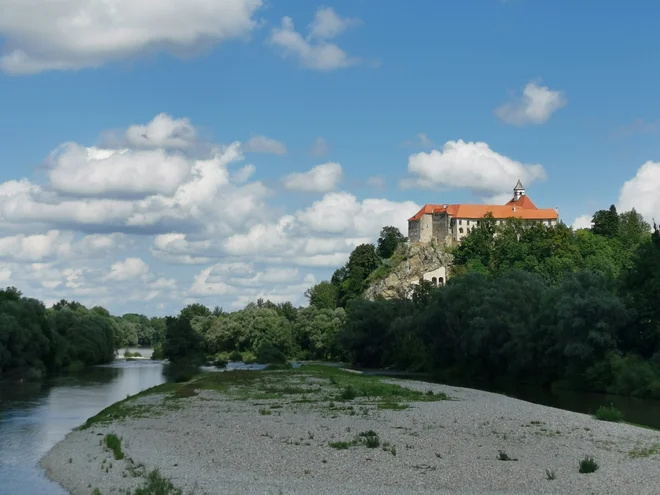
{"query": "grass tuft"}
[(157, 484), (113, 442), (550, 474)]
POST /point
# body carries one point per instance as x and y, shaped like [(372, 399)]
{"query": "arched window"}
[(434, 281), (441, 281), (460, 231)]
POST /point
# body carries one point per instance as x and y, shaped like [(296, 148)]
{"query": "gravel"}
[(215, 445)]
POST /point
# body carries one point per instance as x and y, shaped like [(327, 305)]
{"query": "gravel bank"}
[(211, 443)]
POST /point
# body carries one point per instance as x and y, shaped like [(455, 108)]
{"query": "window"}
[(460, 222), (468, 222), (441, 281), (460, 230)]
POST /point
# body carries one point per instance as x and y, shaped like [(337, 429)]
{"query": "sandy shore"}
[(213, 443)]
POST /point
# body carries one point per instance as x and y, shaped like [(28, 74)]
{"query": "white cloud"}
[(420, 141), (129, 269), (327, 24), (112, 173), (535, 106), (130, 245), (321, 178), (42, 35), (641, 192), (315, 51), (263, 144), (320, 147), (582, 222), (472, 165)]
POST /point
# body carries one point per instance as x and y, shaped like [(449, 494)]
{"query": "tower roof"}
[(519, 186)]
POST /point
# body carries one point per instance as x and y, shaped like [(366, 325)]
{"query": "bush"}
[(235, 356), (269, 354), (158, 355), (588, 465), (220, 362), (611, 413)]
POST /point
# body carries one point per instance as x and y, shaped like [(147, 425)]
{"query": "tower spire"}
[(518, 191)]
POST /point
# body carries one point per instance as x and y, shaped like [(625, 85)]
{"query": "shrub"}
[(269, 354), (235, 356), (349, 393), (550, 474), (611, 413), (220, 362), (158, 355), (371, 439), (587, 465)]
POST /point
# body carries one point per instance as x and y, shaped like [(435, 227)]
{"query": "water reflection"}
[(35, 416)]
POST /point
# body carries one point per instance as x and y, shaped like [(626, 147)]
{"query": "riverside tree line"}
[(525, 303)]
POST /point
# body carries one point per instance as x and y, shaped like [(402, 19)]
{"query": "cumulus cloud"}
[(320, 147), (41, 35), (201, 227), (641, 192), (322, 178), (137, 190), (535, 106), (263, 144), (582, 222), (472, 165), (315, 51)]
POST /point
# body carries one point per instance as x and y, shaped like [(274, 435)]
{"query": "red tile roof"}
[(523, 208)]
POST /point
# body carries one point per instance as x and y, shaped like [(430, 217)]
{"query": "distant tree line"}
[(35, 341)]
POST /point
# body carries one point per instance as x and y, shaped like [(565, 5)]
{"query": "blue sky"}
[(389, 101)]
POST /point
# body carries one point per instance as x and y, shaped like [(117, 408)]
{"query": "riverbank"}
[(299, 431)]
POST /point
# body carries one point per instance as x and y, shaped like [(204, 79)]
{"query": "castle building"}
[(451, 223)]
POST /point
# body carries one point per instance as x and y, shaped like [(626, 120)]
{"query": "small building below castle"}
[(446, 223)]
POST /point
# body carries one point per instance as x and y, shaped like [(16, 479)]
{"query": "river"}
[(35, 416)]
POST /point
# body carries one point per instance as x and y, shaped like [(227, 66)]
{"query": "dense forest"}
[(525, 303)]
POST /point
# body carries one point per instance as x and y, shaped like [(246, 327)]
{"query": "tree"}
[(182, 344), (390, 238), (606, 222), (323, 295), (195, 309)]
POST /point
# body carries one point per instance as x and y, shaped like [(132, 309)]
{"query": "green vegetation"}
[(113, 442), (641, 452), (129, 354), (36, 342), (587, 465), (550, 474), (611, 413), (157, 484)]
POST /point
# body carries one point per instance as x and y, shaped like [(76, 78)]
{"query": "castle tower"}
[(518, 191)]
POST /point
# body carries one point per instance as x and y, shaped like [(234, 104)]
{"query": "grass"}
[(550, 474), (588, 465), (503, 456), (324, 387), (641, 452), (609, 413), (113, 442), (157, 484)]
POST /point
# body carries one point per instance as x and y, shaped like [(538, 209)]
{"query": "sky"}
[(156, 153)]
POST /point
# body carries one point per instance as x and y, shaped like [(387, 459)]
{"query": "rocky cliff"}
[(407, 265)]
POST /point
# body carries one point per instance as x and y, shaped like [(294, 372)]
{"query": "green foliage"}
[(157, 484), (588, 465), (389, 240), (182, 343), (113, 442), (323, 295), (269, 354), (609, 413), (606, 222)]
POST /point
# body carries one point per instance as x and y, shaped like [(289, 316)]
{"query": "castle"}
[(451, 223)]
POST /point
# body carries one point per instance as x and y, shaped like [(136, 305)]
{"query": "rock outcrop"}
[(407, 266)]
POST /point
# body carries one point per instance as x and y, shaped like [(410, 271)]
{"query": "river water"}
[(35, 416)]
